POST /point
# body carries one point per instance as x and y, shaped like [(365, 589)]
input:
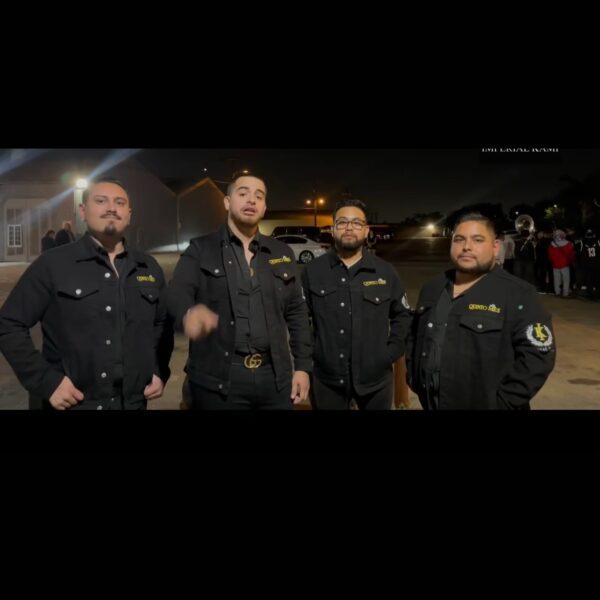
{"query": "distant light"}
[(431, 226), (245, 171), (205, 169), (81, 184), (516, 212), (555, 206), (309, 202), (321, 200)]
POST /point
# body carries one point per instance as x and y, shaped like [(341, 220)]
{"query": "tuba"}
[(523, 222)]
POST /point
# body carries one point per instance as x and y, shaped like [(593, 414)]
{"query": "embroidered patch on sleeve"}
[(540, 336)]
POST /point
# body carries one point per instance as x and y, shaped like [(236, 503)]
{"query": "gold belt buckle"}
[(252, 361)]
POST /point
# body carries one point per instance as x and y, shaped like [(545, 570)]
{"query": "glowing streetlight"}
[(315, 204)]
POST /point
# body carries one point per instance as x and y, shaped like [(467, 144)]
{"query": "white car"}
[(304, 249)]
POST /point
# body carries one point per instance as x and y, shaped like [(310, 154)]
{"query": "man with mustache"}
[(106, 337), (480, 337), (360, 317), (236, 295)]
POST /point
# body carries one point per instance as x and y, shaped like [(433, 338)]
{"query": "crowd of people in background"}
[(559, 262)]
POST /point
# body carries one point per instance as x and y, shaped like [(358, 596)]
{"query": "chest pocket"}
[(80, 302), (77, 291), (376, 295), (214, 277), (481, 323), (423, 308), (149, 293), (283, 274), (318, 290)]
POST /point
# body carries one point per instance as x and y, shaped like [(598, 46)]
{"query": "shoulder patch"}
[(540, 336)]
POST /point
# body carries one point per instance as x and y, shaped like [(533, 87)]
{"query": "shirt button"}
[(322, 291), (342, 304), (226, 353), (429, 325), (424, 354), (341, 356), (108, 309), (112, 399), (479, 326), (216, 270), (220, 386), (285, 274), (107, 275), (229, 262), (376, 299), (341, 381), (232, 322), (99, 407), (103, 375), (343, 280), (108, 342), (342, 331), (78, 292)]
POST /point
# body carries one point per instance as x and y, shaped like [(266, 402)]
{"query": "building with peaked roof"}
[(37, 193)]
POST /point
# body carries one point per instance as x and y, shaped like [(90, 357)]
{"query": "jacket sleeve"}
[(24, 307), (163, 332), (534, 353), (185, 285), (399, 319), (296, 316), (411, 340)]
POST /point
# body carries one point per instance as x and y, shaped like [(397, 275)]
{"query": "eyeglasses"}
[(343, 224)]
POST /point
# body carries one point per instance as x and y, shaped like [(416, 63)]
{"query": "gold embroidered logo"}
[(491, 308), (375, 282), (278, 261), (147, 278), (540, 336)]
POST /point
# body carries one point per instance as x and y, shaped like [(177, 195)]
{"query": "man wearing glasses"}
[(360, 318)]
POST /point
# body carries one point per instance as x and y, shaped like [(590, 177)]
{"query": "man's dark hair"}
[(244, 173), (93, 182), (476, 216), (350, 202)]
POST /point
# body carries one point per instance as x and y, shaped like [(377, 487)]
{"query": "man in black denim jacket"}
[(236, 295), (360, 317)]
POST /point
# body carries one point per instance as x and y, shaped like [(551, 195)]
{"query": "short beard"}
[(477, 269), (348, 246)]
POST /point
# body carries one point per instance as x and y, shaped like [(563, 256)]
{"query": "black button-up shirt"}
[(251, 334), (435, 335)]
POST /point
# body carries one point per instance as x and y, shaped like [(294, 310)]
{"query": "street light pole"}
[(314, 202)]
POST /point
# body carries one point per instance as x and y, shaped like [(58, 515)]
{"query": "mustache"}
[(112, 216)]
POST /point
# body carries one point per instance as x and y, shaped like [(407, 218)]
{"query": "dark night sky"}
[(394, 183)]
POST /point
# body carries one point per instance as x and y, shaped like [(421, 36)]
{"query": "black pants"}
[(544, 276), (249, 389), (524, 270), (327, 397)]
